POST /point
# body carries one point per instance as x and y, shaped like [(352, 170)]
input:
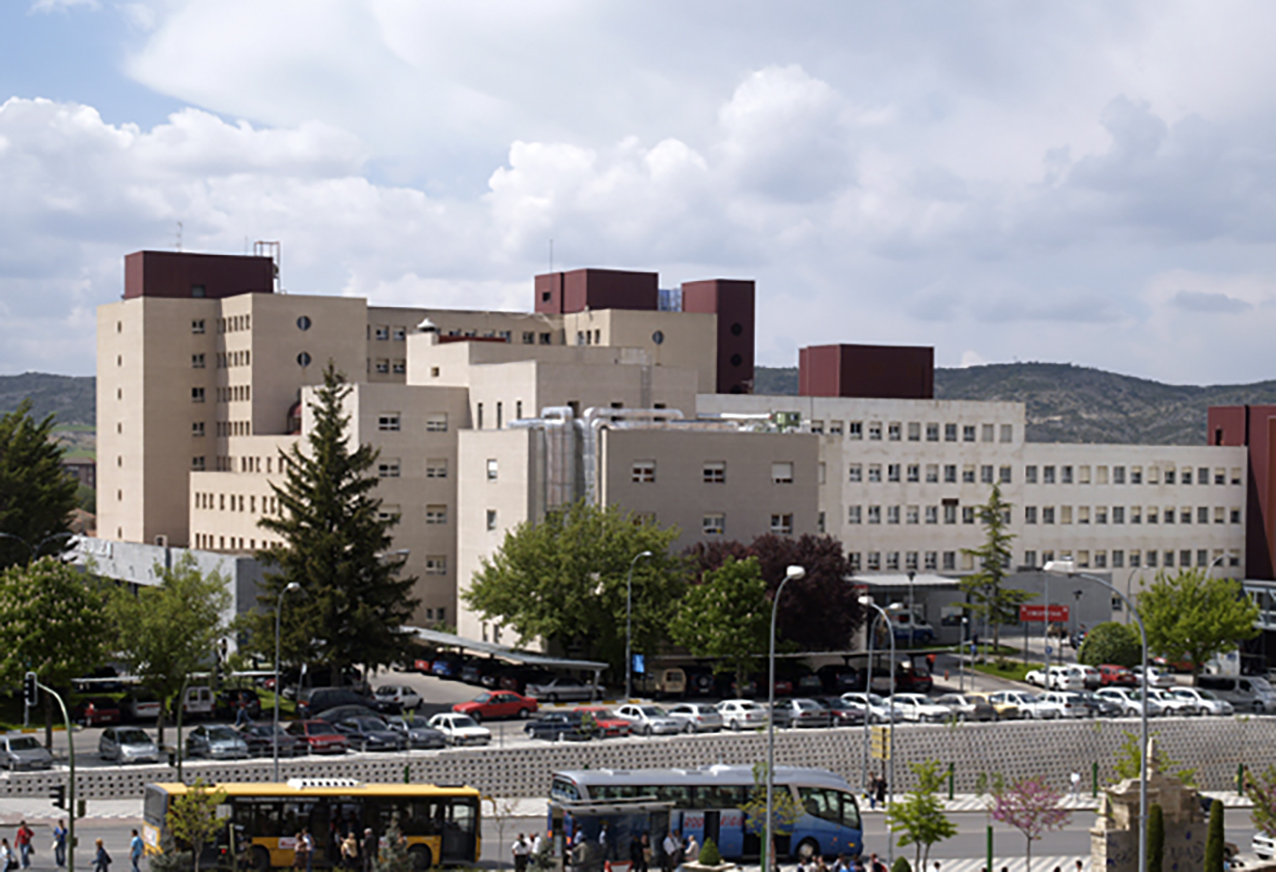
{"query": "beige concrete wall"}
[(687, 340)]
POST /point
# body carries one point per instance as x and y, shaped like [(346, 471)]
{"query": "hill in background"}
[(1067, 403), (72, 399)]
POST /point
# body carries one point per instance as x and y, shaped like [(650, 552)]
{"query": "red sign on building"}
[(1058, 613)]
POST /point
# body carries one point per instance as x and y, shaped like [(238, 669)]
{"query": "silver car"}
[(649, 719), (218, 743), (696, 717), (24, 752), (564, 688), (127, 745)]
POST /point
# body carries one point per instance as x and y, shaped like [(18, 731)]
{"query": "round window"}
[(737, 328), (658, 337), (304, 358), (736, 360), (303, 323)]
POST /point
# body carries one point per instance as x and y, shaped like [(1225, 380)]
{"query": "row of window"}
[(226, 463), (384, 332), (384, 366), (235, 394), (236, 503), (894, 431), (1045, 514), (912, 472), (226, 359), (230, 324), (715, 524), (1137, 475), (392, 422), (713, 472), (1139, 558), (211, 542), (435, 467)]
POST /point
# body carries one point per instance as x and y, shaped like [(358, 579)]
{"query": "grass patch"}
[(1012, 670)]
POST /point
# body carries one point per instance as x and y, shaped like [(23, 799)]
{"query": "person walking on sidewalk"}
[(135, 849), (22, 841), (59, 843), (101, 859)]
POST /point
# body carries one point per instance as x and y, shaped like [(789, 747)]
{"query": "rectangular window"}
[(436, 422), (197, 428), (1100, 560), (892, 472), (968, 473), (782, 525), (197, 395), (986, 473), (1004, 475), (987, 432), (400, 334), (197, 464), (1047, 514), (1233, 557), (855, 561), (1220, 476), (892, 560), (1007, 432), (1167, 559), (1100, 475), (1236, 475), (1030, 514), (388, 469), (855, 430), (1185, 477), (875, 472), (932, 473), (1236, 516), (436, 565), (1118, 559), (817, 426), (910, 561), (1136, 559), (875, 431), (950, 511), (1083, 514), (388, 421), (914, 472), (835, 428), (1185, 558), (643, 471), (494, 469), (1047, 475), (436, 514), (875, 514), (1136, 475), (1118, 514), (950, 473), (968, 514), (855, 472), (853, 514), (968, 433), (197, 326), (491, 519), (1100, 514), (714, 524), (819, 522), (529, 337), (874, 560), (715, 472), (1030, 474), (892, 514), (932, 514), (383, 365), (436, 467), (894, 432), (1083, 475), (782, 472), (399, 366), (1136, 514), (950, 560), (1203, 556), (383, 333), (1065, 514), (1185, 516), (950, 432), (931, 560), (1065, 475), (932, 432), (1169, 479), (1030, 558), (912, 515), (1203, 515), (197, 361), (1151, 561), (547, 338), (387, 512), (914, 431)]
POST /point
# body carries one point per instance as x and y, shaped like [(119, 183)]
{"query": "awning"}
[(900, 580), (514, 655)]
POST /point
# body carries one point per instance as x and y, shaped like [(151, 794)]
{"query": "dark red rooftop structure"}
[(902, 372), (561, 293), (1255, 428), (181, 274), (732, 301)]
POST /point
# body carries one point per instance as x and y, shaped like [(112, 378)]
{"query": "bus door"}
[(460, 823), (712, 828)]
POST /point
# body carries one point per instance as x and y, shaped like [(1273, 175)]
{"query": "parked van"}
[(661, 682), (199, 702), (1246, 693)]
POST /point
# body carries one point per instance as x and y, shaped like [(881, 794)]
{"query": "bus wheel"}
[(420, 857), (806, 850), (261, 859)]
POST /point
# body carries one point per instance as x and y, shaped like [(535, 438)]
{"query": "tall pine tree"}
[(36, 495), (352, 602), (987, 596)]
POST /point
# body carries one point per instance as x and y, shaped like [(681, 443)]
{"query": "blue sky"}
[(1084, 182)]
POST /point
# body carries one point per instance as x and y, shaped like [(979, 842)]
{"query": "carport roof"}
[(514, 655)]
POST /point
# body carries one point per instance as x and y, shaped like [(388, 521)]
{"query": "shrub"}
[(1111, 642), (709, 855), (901, 864)]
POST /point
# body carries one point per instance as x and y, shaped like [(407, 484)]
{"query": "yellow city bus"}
[(441, 824)]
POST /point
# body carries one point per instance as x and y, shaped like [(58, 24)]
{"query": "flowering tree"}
[(1031, 806)]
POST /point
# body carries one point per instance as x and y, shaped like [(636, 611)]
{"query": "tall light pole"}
[(768, 862), (629, 623), (867, 600), (33, 553), (279, 606), (1068, 568)]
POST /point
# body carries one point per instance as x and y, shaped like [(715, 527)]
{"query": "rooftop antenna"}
[(274, 251), (179, 236)]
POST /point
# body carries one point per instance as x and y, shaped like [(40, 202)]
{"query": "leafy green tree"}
[(726, 616), (901, 864), (53, 622), (785, 811), (392, 850), (192, 818), (1156, 838), (563, 579), (353, 602), (1129, 761), (1111, 642), (920, 815), (1195, 616), (985, 590), (1262, 793), (166, 632), (1214, 839), (36, 495)]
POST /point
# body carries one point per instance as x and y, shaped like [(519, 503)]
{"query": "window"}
[(436, 565), (855, 472), (914, 431), (1136, 559), (968, 514), (436, 422), (950, 560), (892, 514), (950, 432), (950, 473), (1118, 559), (931, 560), (1220, 476), (383, 365), (892, 560), (1118, 514), (197, 464), (1083, 514), (383, 333), (932, 514), (986, 473), (399, 367), (493, 469), (1047, 475), (491, 519), (197, 325), (1203, 556), (782, 525), (855, 561), (875, 514), (1065, 514), (855, 430), (399, 334), (835, 428), (1047, 514), (892, 472), (968, 433), (950, 511), (1233, 557), (852, 514), (1151, 560), (1065, 475), (1118, 477), (932, 432), (1030, 514), (1100, 475), (1030, 474), (817, 426), (1185, 516), (388, 469), (1136, 514), (388, 421), (986, 432), (1136, 475), (714, 524), (197, 361), (1083, 475), (643, 472), (914, 472), (1203, 515), (968, 473), (874, 560), (1100, 560), (197, 428), (819, 522), (1236, 475), (932, 473), (436, 514), (1185, 477), (547, 339), (197, 395), (894, 432), (1185, 558), (1169, 479), (912, 515), (436, 467), (782, 472), (1236, 516), (1007, 432), (875, 431), (910, 560)]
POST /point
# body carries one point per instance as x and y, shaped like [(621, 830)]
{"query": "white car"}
[(1057, 678), (878, 711), (696, 717), (1029, 705), (1131, 704), (1206, 702), (458, 729), (1071, 703), (649, 720), (916, 707), (407, 698), (1035, 677), (1157, 677), (1173, 704), (742, 714)]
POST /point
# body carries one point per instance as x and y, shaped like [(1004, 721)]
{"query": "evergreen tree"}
[(36, 495), (352, 601), (996, 604), (1214, 847)]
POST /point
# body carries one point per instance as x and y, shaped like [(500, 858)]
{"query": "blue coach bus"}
[(704, 802)]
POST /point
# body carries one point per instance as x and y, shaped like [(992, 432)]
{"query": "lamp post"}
[(33, 553), (768, 861), (274, 736), (1068, 568), (629, 623), (867, 600)]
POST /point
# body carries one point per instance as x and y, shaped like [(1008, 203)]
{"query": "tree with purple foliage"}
[(1031, 806)]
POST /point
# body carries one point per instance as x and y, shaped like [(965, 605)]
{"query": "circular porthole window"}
[(303, 323), (658, 337), (736, 360), (737, 328), (303, 359)]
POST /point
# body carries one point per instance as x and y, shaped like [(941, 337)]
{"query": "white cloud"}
[(63, 5)]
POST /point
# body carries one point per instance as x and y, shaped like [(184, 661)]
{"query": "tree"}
[(52, 622), (920, 815), (192, 818), (1215, 848), (168, 631), (1129, 760), (353, 603), (1262, 793), (36, 495), (563, 579), (901, 864), (1031, 806), (1195, 616), (984, 589), (785, 811), (392, 853), (1111, 642), (726, 616), (1156, 838)]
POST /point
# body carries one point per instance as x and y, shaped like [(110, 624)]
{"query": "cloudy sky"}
[(1093, 183)]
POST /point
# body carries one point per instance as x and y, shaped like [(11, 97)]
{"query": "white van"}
[(199, 703), (1245, 692)]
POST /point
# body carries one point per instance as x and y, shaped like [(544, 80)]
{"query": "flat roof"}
[(515, 655), (900, 579)]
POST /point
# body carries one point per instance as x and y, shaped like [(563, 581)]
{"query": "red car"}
[(610, 725), (1111, 675), (98, 710), (320, 736), (498, 704)]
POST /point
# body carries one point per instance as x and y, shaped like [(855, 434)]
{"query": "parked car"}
[(564, 688), (728, 686), (845, 714), (1157, 677), (837, 680), (1131, 703), (1090, 676), (919, 709), (498, 704), (458, 729), (371, 734), (801, 678), (317, 701), (478, 671), (217, 743), (229, 701), (139, 704), (879, 712), (447, 666), (1029, 705), (1006, 709), (96, 711), (406, 698), (662, 682), (319, 736), (1112, 675), (1245, 693), (696, 717), (611, 724), (342, 712), (1057, 678), (1173, 705), (561, 727), (1071, 703), (417, 730), (1101, 706), (801, 712), (1205, 700), (199, 703), (649, 720), (742, 714), (967, 707), (19, 752), (127, 745), (1182, 665), (260, 739), (517, 679)]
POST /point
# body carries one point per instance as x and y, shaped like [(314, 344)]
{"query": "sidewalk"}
[(970, 802)]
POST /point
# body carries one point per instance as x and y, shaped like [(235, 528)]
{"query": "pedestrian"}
[(241, 715), (872, 790), (538, 844), (368, 849), (520, 849), (59, 843), (1080, 865), (101, 859), (936, 866), (350, 851), (7, 861), (691, 851), (670, 846), (604, 841), (22, 841), (639, 854), (881, 791), (135, 848), (874, 864), (305, 850), (1075, 778)]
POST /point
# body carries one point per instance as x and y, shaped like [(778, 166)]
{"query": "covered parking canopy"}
[(514, 655)]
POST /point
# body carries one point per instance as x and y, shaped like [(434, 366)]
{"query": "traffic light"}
[(30, 690), (58, 795)]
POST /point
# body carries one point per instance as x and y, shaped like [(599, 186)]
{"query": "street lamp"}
[(629, 623), (767, 860), (33, 553), (867, 601), (1068, 568), (279, 606)]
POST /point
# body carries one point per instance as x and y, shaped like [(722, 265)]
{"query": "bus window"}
[(820, 803), (850, 810), (417, 818), (461, 816), (679, 794), (155, 806), (259, 819), (561, 788)]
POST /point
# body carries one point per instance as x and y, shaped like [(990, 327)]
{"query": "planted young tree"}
[(393, 855), (1194, 616), (1129, 760), (36, 495), (192, 818), (1111, 642), (987, 595), (919, 816), (1031, 806), (784, 811), (1261, 791), (1215, 846), (726, 616)]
